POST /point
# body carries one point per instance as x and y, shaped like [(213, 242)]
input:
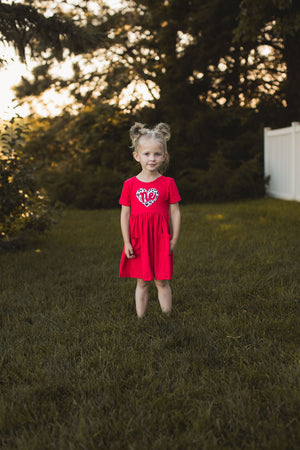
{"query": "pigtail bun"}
[(136, 131), (163, 129)]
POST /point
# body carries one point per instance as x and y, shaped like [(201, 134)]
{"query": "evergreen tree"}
[(189, 54), (275, 24), (23, 26)]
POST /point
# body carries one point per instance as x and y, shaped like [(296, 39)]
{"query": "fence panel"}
[(282, 161)]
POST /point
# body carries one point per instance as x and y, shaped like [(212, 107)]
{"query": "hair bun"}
[(164, 129), (136, 131)]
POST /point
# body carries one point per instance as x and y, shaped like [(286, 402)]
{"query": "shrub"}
[(221, 182), (24, 209), (248, 180), (87, 187), (191, 184), (217, 177)]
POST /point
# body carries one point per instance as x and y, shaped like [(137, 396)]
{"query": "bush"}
[(24, 209), (87, 187), (248, 180), (217, 178), (221, 182), (191, 184)]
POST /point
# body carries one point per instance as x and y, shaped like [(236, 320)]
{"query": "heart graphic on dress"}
[(147, 197)]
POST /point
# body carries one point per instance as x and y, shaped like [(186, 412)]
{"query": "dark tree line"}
[(195, 52), (217, 71)]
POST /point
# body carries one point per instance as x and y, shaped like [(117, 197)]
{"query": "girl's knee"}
[(143, 284), (161, 283)]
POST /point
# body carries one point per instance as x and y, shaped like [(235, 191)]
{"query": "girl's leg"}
[(164, 295), (141, 297)]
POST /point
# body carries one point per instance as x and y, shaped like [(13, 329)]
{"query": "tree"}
[(173, 46), (51, 34), (204, 75), (188, 53), (24, 26), (83, 159), (56, 31), (275, 24)]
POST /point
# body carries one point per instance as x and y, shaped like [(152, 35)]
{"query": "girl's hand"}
[(172, 245), (129, 250)]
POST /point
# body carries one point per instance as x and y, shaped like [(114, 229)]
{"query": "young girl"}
[(146, 200)]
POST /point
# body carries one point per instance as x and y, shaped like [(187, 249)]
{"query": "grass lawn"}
[(78, 370)]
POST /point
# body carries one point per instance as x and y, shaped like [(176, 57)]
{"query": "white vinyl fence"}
[(282, 161)]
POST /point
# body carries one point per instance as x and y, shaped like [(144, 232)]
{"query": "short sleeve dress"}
[(149, 227)]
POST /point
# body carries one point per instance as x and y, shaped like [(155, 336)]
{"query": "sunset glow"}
[(11, 72)]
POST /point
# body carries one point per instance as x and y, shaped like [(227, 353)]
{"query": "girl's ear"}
[(166, 155), (136, 156)]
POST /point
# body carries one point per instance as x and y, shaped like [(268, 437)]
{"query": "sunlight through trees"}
[(216, 71)]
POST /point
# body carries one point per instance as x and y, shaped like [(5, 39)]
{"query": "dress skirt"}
[(150, 239)]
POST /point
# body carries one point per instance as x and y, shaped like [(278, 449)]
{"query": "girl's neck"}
[(148, 177)]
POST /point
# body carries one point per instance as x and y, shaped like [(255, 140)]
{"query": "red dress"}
[(149, 228)]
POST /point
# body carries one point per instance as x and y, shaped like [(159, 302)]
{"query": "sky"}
[(10, 75)]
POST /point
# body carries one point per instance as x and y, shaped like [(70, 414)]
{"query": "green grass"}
[(78, 370)]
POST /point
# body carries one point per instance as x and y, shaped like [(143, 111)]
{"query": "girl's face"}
[(150, 154)]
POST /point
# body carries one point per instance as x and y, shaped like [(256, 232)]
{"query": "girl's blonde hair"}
[(160, 132)]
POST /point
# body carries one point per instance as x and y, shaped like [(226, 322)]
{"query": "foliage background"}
[(217, 73)]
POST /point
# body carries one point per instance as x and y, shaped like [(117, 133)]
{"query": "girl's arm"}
[(125, 216), (175, 223)]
